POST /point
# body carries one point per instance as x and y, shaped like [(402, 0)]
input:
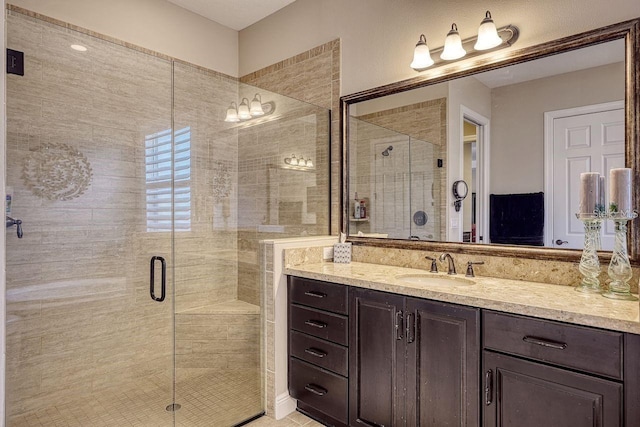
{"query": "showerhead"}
[(386, 151)]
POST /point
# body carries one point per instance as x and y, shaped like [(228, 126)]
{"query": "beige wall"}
[(378, 36), (517, 131), (154, 24)]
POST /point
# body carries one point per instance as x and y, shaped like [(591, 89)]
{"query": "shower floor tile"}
[(212, 399)]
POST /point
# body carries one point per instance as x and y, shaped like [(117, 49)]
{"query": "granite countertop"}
[(540, 300)]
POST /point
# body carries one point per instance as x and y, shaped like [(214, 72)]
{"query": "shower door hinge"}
[(15, 62)]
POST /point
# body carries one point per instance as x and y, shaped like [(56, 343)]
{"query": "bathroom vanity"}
[(370, 346)]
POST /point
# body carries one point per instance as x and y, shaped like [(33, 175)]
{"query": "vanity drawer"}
[(590, 350), (328, 326), (325, 391), (321, 353), (322, 295)]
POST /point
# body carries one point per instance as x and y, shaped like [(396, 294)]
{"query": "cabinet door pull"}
[(399, 319), (316, 324), (545, 343), (488, 387), (411, 328), (316, 389), (315, 294), (315, 352)]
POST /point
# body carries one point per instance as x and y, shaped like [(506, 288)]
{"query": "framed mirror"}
[(517, 127)]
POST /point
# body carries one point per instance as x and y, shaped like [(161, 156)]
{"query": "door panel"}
[(442, 365), (82, 330), (592, 142), (527, 394), (376, 356)]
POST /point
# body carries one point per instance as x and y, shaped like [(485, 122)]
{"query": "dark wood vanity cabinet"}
[(359, 357), (413, 362), (318, 349), (545, 373)]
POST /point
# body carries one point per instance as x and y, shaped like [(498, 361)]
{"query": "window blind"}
[(164, 166)]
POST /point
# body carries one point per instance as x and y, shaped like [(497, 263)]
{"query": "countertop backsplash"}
[(541, 271)]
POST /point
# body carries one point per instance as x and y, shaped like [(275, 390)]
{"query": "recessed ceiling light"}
[(78, 47)]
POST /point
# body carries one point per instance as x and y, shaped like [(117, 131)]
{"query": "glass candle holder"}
[(620, 268), (589, 263)]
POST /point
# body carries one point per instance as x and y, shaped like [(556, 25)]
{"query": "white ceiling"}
[(236, 14)]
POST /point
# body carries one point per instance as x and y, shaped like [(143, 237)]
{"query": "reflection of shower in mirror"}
[(386, 151)]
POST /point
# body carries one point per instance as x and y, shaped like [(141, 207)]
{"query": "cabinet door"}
[(376, 359), (443, 361), (519, 393)]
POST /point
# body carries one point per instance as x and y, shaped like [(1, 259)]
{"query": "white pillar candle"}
[(620, 190), (589, 192), (602, 204)]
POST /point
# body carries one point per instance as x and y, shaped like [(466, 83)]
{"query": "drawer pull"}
[(316, 324), (316, 389), (488, 387), (315, 352), (315, 294), (545, 343)]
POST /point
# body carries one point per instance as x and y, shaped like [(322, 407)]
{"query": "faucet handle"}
[(470, 265), (434, 264)]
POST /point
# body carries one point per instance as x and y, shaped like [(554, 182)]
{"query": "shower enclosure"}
[(133, 296)]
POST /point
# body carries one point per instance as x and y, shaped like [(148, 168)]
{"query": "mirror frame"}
[(629, 31)]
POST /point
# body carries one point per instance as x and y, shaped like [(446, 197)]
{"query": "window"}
[(159, 175)]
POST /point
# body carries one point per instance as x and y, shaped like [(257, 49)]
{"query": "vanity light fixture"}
[(453, 45), (256, 106), (488, 38), (243, 110), (232, 114), (421, 55), (294, 162), (249, 110)]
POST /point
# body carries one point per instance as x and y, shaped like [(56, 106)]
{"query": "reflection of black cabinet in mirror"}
[(518, 164)]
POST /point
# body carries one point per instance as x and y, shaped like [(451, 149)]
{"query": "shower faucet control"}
[(17, 222)]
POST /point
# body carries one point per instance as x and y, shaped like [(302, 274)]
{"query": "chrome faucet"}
[(434, 264), (452, 265)]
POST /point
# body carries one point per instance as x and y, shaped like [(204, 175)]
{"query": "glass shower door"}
[(90, 161)]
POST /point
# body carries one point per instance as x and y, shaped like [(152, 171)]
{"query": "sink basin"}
[(433, 279)]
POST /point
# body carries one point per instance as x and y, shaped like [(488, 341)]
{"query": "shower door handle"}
[(152, 280)]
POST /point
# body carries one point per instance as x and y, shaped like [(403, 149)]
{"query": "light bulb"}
[(421, 55), (488, 37), (232, 114), (256, 106), (243, 110), (453, 45), (309, 163), (294, 161)]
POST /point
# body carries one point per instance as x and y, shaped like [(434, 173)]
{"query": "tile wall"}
[(312, 77)]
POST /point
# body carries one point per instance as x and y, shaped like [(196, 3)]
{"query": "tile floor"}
[(294, 420), (208, 400)]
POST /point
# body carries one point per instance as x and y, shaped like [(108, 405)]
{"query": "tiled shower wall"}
[(79, 316), (425, 124), (80, 319), (313, 77)]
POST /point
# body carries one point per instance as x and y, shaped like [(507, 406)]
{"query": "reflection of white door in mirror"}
[(470, 167), (475, 170), (582, 139), (390, 188)]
